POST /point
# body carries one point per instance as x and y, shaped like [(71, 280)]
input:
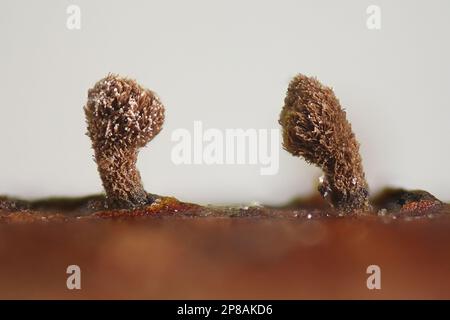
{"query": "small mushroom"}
[(315, 127), (121, 117)]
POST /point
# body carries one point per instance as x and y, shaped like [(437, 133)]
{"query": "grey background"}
[(227, 63)]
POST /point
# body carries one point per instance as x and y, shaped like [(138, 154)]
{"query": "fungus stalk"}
[(121, 117), (315, 127)]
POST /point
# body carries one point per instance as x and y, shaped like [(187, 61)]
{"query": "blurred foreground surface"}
[(227, 258)]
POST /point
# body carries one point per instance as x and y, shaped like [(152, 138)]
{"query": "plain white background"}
[(228, 64)]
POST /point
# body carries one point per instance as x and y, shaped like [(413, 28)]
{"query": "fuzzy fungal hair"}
[(315, 127), (121, 117)]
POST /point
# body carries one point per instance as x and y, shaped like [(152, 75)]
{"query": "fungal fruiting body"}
[(315, 127), (121, 117)]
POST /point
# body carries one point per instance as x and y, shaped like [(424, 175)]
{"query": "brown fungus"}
[(315, 127), (121, 117)]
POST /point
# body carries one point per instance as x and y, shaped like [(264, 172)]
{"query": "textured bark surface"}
[(176, 250)]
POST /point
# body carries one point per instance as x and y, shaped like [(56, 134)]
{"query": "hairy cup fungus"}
[(315, 127), (121, 117)]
